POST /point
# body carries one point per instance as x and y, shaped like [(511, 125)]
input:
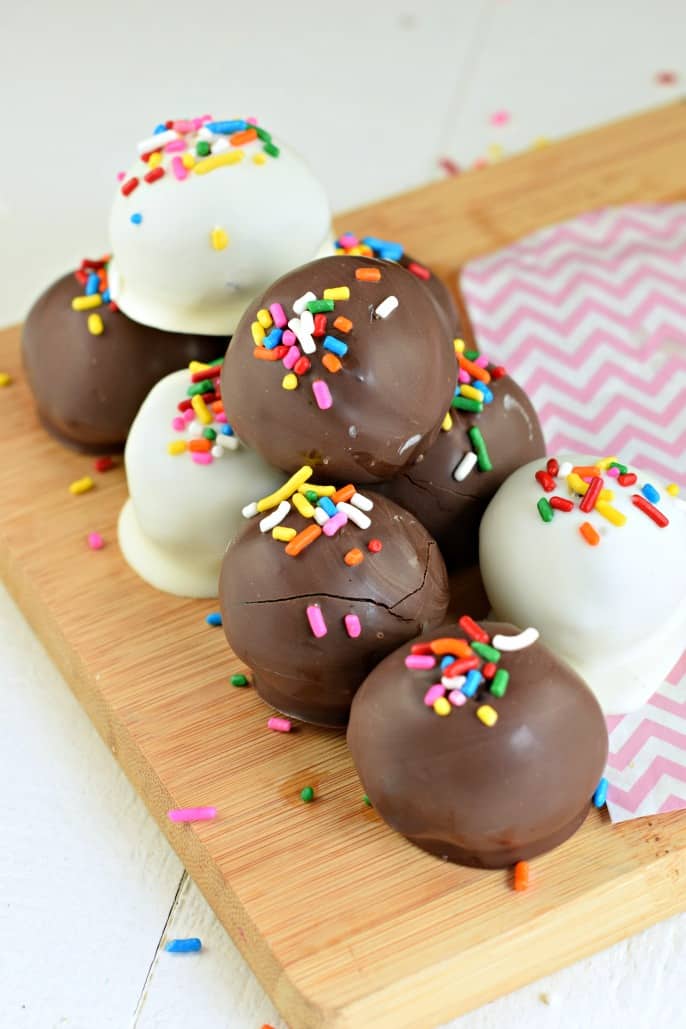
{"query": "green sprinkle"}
[(320, 306), (307, 794), (202, 148), (209, 433), (206, 386), (240, 680), (467, 404), (622, 467), (545, 510), (366, 800), (271, 149), (471, 355), (486, 652), (262, 134), (480, 449), (311, 496), (499, 684)]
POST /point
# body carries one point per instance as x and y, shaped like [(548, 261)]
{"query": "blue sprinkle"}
[(273, 339), (327, 505), (106, 296), (391, 252), (137, 218), (159, 128), (214, 618), (472, 682), (226, 127), (336, 346), (92, 284), (600, 795), (226, 430), (650, 493), (183, 946), (483, 388), (447, 660), (385, 245)]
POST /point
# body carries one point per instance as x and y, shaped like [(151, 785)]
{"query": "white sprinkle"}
[(195, 428), (354, 515), (227, 442), (217, 451), (301, 303), (386, 307), (304, 338), (465, 466), (519, 642), (364, 503), (250, 510), (565, 469), (307, 322), (456, 683), (320, 516), (209, 137), (155, 142), (275, 517), (220, 145)]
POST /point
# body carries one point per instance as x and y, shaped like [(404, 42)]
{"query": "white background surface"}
[(383, 91)]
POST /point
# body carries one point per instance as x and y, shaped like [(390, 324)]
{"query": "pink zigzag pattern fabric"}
[(590, 317)]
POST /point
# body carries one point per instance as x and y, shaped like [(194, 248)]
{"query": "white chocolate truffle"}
[(615, 607), (181, 514), (196, 236)]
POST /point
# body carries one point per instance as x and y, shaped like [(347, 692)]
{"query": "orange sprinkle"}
[(450, 645), (589, 534), (354, 557), (475, 370), (343, 494), (246, 136), (521, 875), (302, 540), (262, 354), (343, 324), (331, 363), (582, 470), (365, 250), (200, 445), (368, 274), (217, 406)]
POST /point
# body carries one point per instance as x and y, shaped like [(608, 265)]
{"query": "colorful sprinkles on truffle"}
[(472, 394), (91, 275), (200, 425)]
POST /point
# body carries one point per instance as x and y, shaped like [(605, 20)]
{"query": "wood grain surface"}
[(345, 923)]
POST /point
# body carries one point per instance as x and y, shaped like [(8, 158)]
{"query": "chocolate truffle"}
[(317, 589), (478, 744), (90, 367), (449, 488), (343, 364)]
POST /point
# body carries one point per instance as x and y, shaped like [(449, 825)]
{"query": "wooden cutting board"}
[(344, 923)]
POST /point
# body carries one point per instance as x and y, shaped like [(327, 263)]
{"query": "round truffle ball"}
[(487, 772), (311, 625), (593, 552), (208, 214), (449, 488), (91, 369), (188, 479), (351, 372)]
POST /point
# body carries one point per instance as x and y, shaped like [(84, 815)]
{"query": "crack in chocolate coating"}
[(480, 796), (264, 594), (389, 397), (88, 388)]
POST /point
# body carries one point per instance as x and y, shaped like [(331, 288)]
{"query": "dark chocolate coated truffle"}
[(450, 509), (88, 386), (474, 793), (368, 398), (273, 605)]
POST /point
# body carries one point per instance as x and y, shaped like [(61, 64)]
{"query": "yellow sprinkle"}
[(95, 324), (283, 534), (354, 251), (577, 484), (605, 463), (365, 250), (672, 489), (289, 381), (495, 151), (447, 423), (220, 239), (442, 706), (540, 142), (606, 494), (487, 714), (264, 318), (81, 485), (321, 491), (259, 159), (302, 504), (337, 293), (177, 447), (155, 160), (202, 412), (610, 513), (188, 161), (287, 490), (198, 366), (459, 345), (257, 334), (208, 164), (473, 394), (86, 303), (5, 379)]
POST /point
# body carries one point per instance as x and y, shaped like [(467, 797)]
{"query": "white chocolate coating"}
[(175, 527), (616, 611), (167, 272)]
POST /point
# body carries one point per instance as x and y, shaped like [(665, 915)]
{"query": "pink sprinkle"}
[(189, 415), (288, 338), (251, 121), (457, 698), (352, 626), (176, 146), (349, 240), (335, 523), (500, 117), (481, 361), (316, 620), (420, 661), (220, 417), (291, 357), (433, 693), (191, 814), (205, 118), (614, 472), (201, 456), (180, 171), (279, 724), (279, 316), (464, 377), (449, 166), (178, 423), (121, 176), (95, 541), (197, 123), (183, 126), (322, 394), (480, 162)]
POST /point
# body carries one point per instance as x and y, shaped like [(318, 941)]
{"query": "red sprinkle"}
[(103, 464), (561, 503), (546, 481), (553, 467), (473, 630), (419, 270), (627, 480), (591, 495), (154, 174), (498, 371), (81, 277), (489, 670), (302, 365), (653, 512), (463, 664), (208, 373), (129, 186), (375, 546), (319, 325), (421, 648)]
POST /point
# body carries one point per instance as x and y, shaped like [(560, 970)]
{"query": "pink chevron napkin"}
[(590, 317)]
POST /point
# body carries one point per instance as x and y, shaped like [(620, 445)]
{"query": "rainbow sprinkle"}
[(200, 423), (91, 275)]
